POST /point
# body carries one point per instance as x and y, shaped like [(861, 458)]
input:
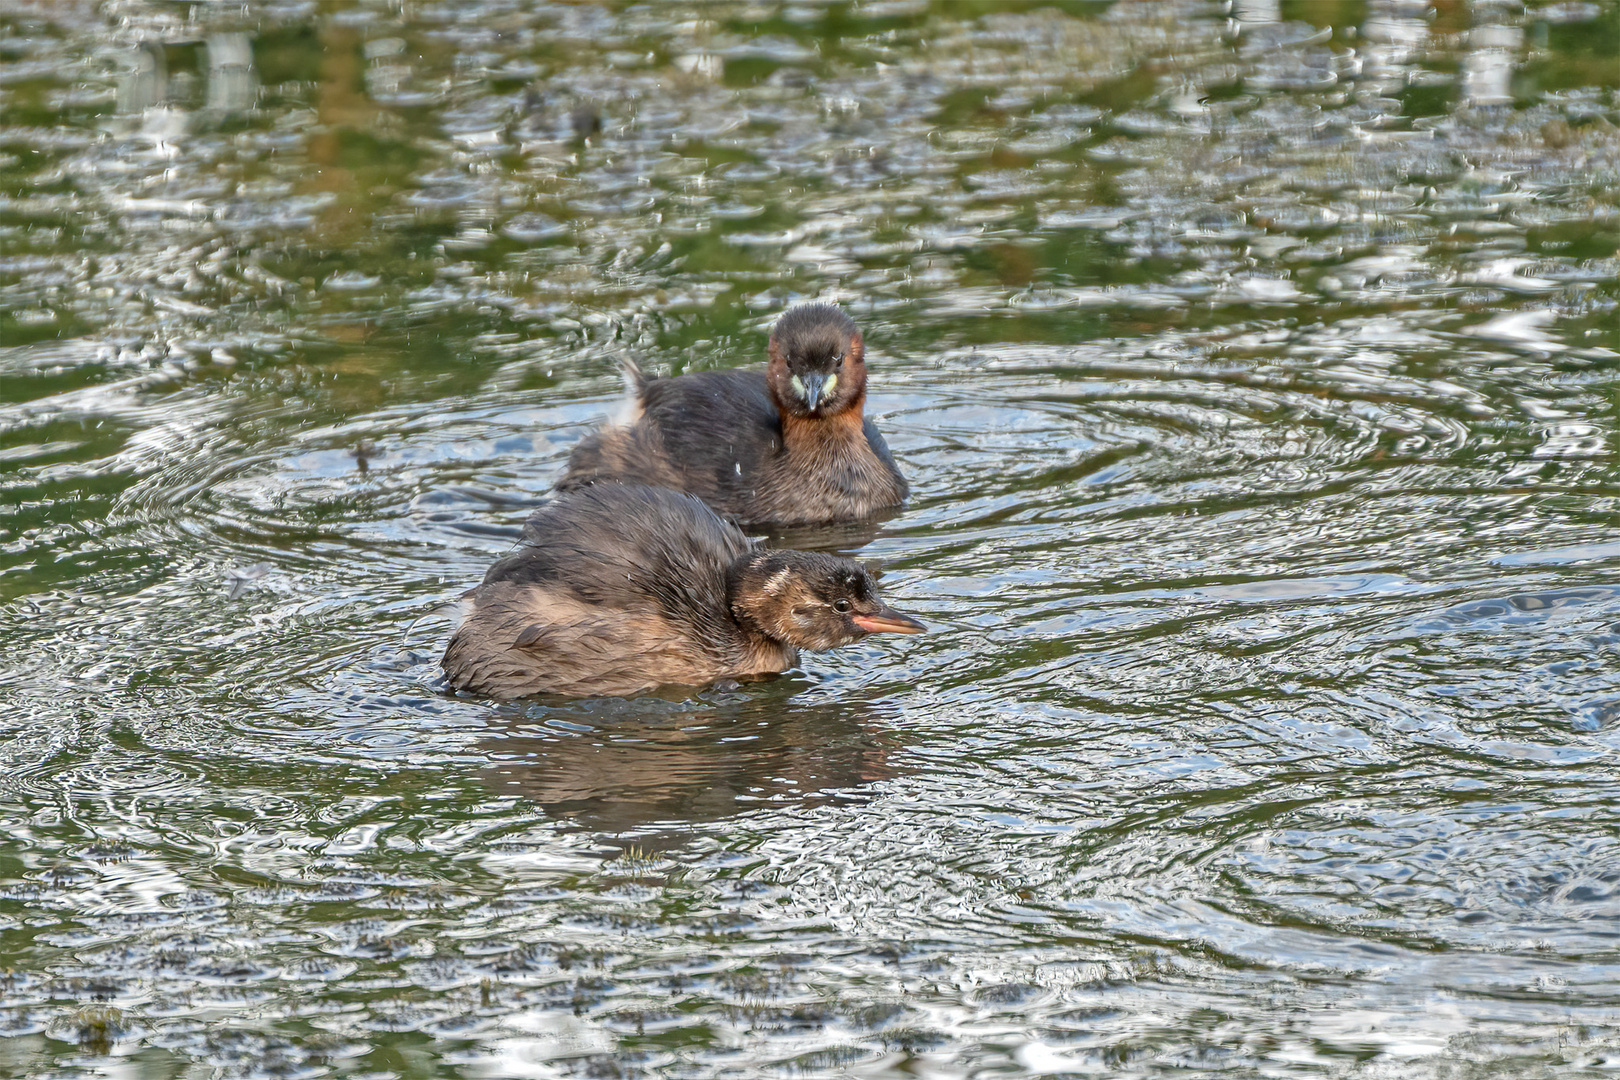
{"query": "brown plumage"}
[(622, 587), (786, 446)]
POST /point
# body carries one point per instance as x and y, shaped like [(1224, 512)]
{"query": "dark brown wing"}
[(709, 433)]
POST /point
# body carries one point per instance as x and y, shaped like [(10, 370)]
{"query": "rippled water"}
[(1256, 366)]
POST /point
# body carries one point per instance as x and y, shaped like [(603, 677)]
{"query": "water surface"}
[(1256, 367)]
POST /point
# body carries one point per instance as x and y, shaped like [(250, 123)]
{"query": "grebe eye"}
[(841, 606)]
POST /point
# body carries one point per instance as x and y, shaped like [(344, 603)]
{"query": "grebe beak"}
[(814, 387), (886, 620)]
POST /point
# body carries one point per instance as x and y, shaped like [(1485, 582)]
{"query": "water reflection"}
[(1488, 64), (839, 538), (1395, 32), (233, 84), (144, 82), (642, 773), (1257, 11), (1254, 366)]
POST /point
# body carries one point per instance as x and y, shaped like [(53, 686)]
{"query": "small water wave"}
[(1254, 377)]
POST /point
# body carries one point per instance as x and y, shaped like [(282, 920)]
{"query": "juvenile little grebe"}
[(622, 587), (786, 446)]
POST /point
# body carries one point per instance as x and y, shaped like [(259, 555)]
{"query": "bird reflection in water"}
[(632, 766), (843, 538)]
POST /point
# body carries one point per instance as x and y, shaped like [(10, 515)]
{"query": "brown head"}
[(809, 600), (818, 362)]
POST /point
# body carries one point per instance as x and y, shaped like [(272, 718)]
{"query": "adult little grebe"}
[(623, 587), (786, 446)]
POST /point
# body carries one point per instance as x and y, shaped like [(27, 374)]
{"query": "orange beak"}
[(888, 621)]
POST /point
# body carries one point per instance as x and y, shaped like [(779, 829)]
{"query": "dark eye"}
[(841, 606)]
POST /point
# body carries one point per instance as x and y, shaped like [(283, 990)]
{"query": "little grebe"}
[(786, 446), (621, 587)]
